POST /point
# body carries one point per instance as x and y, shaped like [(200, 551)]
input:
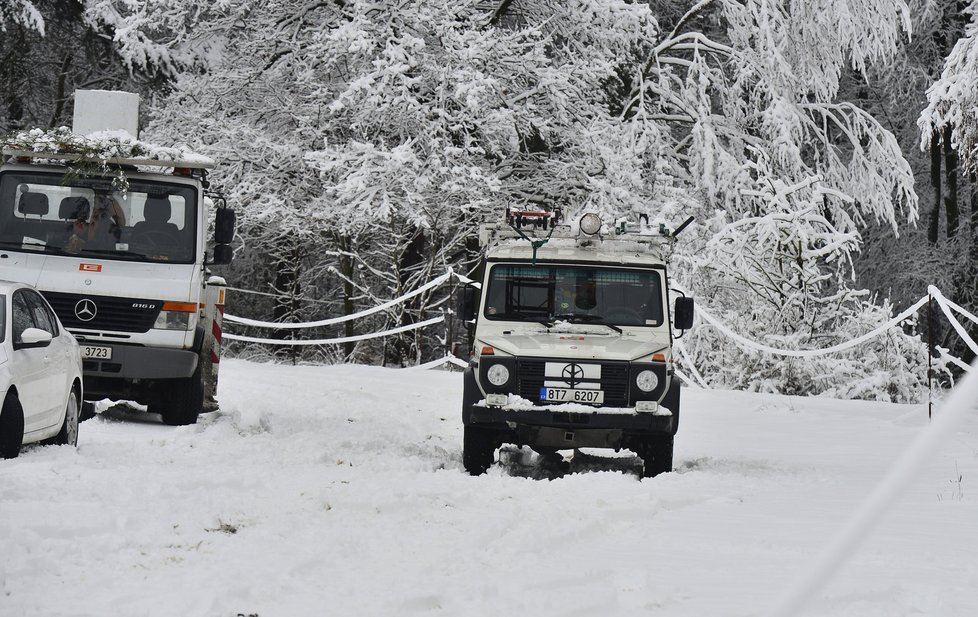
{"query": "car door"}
[(55, 380), (27, 367)]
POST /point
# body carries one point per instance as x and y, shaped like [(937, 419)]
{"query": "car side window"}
[(21, 316), (42, 314)]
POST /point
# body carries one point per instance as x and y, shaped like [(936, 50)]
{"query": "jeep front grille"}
[(614, 379)]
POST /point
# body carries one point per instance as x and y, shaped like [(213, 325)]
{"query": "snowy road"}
[(339, 491)]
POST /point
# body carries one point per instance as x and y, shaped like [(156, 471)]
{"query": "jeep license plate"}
[(96, 352), (568, 395)]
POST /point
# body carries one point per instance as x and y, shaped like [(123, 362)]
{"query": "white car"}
[(40, 373)]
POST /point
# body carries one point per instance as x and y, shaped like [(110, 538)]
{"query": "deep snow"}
[(339, 491)]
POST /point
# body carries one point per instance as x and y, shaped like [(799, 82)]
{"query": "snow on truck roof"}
[(106, 147)]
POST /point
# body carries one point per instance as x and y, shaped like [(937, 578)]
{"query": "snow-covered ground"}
[(339, 491)]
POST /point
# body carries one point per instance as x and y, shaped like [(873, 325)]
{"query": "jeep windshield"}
[(545, 293), (65, 215)]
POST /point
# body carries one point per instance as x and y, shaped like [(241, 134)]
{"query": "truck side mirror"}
[(466, 300), (223, 254), (683, 315), (224, 226)]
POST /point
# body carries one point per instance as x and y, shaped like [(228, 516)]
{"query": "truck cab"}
[(118, 248), (572, 341)]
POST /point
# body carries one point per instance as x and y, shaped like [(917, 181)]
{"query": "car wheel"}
[(11, 427), (657, 456), (478, 448), (68, 436)]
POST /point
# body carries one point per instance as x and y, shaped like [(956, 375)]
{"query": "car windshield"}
[(579, 294), (152, 221)]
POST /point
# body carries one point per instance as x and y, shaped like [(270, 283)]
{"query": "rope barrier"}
[(335, 320), (449, 359), (810, 353), (942, 302), (342, 339), (695, 377)]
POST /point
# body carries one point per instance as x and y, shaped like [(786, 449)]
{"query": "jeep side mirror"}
[(224, 226), (683, 315), (466, 300)]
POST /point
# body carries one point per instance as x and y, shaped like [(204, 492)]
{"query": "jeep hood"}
[(590, 346)]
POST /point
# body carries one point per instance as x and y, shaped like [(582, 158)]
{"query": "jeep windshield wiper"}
[(588, 319), (540, 319)]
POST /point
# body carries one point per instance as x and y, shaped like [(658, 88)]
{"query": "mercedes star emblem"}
[(85, 310), (572, 374)]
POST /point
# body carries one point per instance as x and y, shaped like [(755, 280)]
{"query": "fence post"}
[(930, 355)]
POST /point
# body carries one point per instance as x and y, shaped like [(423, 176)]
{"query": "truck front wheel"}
[(182, 401), (478, 449)]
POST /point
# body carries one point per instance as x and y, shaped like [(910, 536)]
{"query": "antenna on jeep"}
[(682, 227)]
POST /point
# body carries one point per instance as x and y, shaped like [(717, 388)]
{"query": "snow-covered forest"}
[(827, 150)]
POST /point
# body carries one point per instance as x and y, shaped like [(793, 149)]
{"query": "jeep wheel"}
[(478, 449), (657, 456)]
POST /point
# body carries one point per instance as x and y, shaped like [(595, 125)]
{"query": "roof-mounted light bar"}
[(540, 219)]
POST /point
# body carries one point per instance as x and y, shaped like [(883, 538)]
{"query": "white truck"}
[(117, 246), (572, 340)]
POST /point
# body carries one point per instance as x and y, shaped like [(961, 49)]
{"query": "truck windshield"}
[(579, 294), (64, 215)]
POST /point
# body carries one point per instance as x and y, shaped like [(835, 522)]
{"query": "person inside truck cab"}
[(575, 296), (102, 230)]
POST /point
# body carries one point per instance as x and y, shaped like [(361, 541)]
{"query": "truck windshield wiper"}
[(31, 247), (586, 318)]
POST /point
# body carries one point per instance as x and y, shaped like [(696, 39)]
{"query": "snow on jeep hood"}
[(583, 342)]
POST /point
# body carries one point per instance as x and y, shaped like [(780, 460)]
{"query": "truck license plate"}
[(568, 395), (96, 352)]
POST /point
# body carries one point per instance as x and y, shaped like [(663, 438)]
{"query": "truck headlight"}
[(497, 374), (175, 316), (646, 381)]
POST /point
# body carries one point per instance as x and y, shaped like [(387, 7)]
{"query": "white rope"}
[(942, 302), (335, 320), (810, 353), (681, 350), (937, 292), (342, 339), (449, 359)]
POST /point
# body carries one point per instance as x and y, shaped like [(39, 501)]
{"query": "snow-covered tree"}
[(364, 142)]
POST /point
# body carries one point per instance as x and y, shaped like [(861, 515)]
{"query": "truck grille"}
[(117, 314), (614, 379)]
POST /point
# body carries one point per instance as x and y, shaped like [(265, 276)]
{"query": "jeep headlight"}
[(646, 381), (497, 374)]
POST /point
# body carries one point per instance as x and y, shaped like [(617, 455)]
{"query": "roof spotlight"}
[(590, 223)]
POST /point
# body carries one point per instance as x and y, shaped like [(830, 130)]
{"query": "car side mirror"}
[(224, 226), (34, 337), (466, 300), (683, 315)]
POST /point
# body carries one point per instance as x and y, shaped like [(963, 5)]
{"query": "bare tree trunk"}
[(951, 196), (935, 183), (346, 269)]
